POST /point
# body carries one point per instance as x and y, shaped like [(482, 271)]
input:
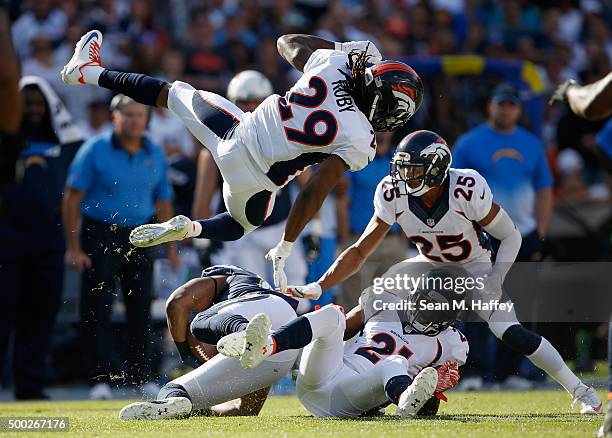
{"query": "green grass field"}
[(486, 414)]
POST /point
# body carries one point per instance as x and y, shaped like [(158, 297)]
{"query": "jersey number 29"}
[(309, 136)]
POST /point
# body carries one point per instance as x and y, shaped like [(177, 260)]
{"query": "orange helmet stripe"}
[(380, 69)]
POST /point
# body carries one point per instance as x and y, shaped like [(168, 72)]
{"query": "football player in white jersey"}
[(393, 359), (328, 117), (443, 211)]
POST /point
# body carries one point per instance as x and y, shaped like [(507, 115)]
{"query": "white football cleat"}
[(416, 395), (256, 344), (177, 228), (86, 53), (589, 401), (169, 408), (231, 345)]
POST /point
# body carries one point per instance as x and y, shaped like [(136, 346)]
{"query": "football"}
[(202, 351)]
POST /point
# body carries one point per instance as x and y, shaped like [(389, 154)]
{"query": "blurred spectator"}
[(206, 64), (31, 240), (99, 120), (362, 186), (117, 181), (513, 161), (41, 62), (40, 19)]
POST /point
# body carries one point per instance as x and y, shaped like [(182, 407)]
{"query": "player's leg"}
[(85, 67), (388, 381), (233, 316), (217, 381), (325, 327), (541, 352), (248, 208)]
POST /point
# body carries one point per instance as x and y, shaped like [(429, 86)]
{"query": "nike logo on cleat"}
[(93, 35)]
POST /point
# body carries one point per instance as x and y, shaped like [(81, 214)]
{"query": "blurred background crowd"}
[(461, 48)]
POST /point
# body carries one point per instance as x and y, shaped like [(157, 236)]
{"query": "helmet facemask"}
[(429, 322), (389, 108), (405, 170)]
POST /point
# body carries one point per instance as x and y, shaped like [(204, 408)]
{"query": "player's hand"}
[(278, 255), (360, 46), (311, 291), (560, 94), (448, 376), (76, 259)]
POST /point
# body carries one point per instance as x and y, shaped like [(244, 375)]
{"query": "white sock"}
[(91, 73), (196, 229), (325, 321), (548, 358)]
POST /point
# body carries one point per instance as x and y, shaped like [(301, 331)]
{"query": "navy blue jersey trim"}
[(281, 171), (430, 216), (216, 118)]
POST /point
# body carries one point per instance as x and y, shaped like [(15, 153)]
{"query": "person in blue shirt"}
[(513, 161), (118, 180), (360, 209)]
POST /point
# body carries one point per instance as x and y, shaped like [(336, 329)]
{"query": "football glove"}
[(311, 291), (448, 376), (278, 255), (360, 46), (560, 94)]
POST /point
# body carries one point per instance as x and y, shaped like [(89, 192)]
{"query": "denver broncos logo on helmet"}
[(396, 92), (404, 88)]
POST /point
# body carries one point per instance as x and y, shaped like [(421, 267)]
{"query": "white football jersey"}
[(385, 334), (317, 117), (447, 231)]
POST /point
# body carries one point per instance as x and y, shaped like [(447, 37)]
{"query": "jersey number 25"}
[(309, 136)]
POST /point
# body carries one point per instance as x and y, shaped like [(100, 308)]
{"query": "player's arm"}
[(592, 101), (206, 185), (354, 322), (499, 225), (297, 48), (196, 295), (351, 260), (312, 195)]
